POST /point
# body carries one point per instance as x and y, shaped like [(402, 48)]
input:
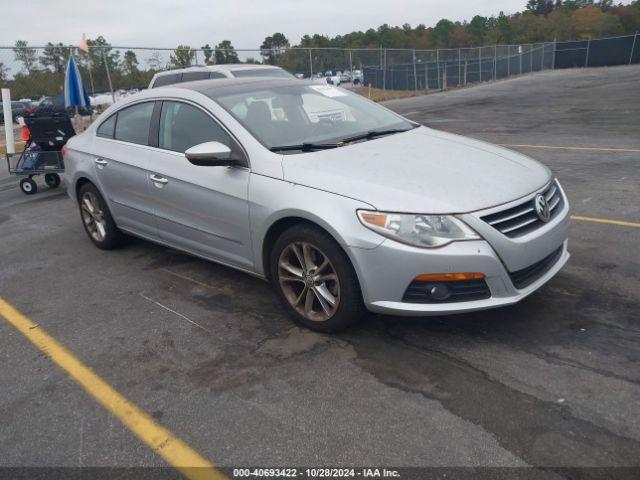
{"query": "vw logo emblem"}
[(541, 207)]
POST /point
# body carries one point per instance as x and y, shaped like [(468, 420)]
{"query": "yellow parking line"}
[(604, 220), (177, 453), (558, 147)]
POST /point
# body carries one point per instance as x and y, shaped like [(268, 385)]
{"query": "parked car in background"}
[(233, 70), (364, 210), (332, 78), (54, 105), (50, 104), (18, 109), (345, 77), (356, 77)]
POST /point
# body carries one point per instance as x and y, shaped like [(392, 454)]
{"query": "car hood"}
[(420, 171)]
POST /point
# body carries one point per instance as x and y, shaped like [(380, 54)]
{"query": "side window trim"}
[(155, 124), (154, 128), (115, 125)]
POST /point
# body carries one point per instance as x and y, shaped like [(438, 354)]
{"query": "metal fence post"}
[(465, 72), (495, 62), (415, 73), (508, 60), (553, 58), (106, 67), (351, 65), (480, 63), (384, 71), (520, 52), (438, 68), (586, 58), (542, 58), (89, 67), (531, 58), (459, 65), (635, 37)]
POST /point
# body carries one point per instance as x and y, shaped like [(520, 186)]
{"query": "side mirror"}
[(211, 154)]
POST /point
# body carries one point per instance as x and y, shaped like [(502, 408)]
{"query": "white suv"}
[(232, 70)]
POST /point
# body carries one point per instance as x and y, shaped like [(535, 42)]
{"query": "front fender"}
[(272, 200)]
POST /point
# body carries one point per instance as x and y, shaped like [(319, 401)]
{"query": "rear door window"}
[(133, 123), (107, 127), (168, 79), (262, 72), (192, 76)]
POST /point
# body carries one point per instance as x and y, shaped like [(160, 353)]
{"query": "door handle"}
[(158, 179), (100, 162)]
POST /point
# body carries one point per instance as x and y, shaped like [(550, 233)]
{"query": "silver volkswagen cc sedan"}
[(342, 204)]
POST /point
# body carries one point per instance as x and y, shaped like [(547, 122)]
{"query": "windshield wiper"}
[(308, 147), (305, 147), (374, 133)]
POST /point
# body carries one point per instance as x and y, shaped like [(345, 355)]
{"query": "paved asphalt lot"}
[(553, 381)]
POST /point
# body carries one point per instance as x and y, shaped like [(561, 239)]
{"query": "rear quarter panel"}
[(78, 162)]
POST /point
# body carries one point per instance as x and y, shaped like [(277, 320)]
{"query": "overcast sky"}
[(167, 23)]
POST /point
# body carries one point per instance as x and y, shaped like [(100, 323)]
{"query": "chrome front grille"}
[(522, 219)]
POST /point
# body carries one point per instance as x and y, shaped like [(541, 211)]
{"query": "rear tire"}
[(28, 186), (315, 280), (97, 219)]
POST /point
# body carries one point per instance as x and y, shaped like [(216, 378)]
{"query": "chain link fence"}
[(110, 72), (450, 68)]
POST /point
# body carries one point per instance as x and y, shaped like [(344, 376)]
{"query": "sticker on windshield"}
[(328, 91)]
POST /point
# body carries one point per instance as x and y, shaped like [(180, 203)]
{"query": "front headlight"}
[(427, 231)]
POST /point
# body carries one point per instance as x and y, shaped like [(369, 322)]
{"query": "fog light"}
[(439, 292)]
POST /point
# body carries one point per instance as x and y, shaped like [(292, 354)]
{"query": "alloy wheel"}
[(93, 216), (309, 281)]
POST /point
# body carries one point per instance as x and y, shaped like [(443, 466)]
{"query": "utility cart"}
[(42, 154)]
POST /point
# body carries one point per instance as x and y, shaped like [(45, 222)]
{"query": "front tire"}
[(97, 219), (315, 280)]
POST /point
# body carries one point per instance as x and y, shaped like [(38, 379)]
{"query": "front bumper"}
[(386, 271)]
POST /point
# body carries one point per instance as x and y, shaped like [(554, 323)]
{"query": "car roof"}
[(230, 67), (213, 88), (245, 66)]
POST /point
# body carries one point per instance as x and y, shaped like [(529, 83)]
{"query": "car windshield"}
[(262, 72), (309, 116)]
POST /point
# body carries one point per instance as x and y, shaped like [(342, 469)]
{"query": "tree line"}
[(42, 71), (541, 21)]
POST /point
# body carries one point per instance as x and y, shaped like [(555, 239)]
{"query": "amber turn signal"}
[(377, 219), (449, 277)]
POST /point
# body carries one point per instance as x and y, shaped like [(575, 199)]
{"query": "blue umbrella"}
[(75, 95)]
